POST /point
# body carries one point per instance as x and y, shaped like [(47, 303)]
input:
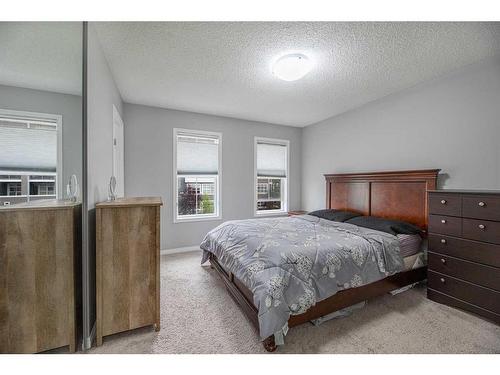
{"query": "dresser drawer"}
[(468, 292), (475, 273), (481, 230), (445, 204), (479, 252), (481, 207), (445, 225)]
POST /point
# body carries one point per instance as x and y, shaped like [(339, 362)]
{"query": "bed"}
[(301, 261)]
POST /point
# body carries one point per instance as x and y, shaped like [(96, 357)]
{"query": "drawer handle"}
[(482, 226), (481, 204), (443, 201), (442, 280), (443, 221), (443, 240), (443, 260)]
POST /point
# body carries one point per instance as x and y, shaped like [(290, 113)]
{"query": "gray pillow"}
[(385, 225), (334, 215)]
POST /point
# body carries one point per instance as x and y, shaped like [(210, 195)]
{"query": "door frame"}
[(117, 120)]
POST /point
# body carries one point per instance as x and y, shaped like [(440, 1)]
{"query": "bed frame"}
[(398, 195)]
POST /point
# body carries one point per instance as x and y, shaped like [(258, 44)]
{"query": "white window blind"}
[(197, 174), (197, 155), (28, 144), (271, 159)]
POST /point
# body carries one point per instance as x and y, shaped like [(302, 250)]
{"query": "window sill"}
[(195, 219), (270, 214)]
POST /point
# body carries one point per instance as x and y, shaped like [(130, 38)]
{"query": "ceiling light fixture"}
[(292, 67)]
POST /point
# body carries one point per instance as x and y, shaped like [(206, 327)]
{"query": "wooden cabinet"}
[(127, 265), (39, 252), (464, 250)]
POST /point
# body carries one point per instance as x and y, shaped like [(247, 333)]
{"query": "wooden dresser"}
[(127, 265), (464, 250), (39, 274)]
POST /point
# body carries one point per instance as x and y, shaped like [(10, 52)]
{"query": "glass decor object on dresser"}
[(41, 67)]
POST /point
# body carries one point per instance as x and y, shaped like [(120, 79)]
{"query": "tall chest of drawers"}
[(464, 250), (39, 275), (127, 265)]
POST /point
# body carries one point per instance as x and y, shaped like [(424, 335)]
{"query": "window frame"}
[(58, 120), (14, 195), (285, 188), (218, 196)]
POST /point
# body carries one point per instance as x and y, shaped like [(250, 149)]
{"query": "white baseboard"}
[(178, 250)]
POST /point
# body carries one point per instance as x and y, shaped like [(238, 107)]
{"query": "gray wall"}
[(102, 94), (68, 106), (148, 164), (452, 123)]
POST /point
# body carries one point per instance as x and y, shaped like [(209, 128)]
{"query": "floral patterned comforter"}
[(291, 263)]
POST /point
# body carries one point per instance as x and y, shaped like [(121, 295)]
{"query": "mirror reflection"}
[(40, 110)]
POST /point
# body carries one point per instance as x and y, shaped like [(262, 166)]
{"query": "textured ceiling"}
[(42, 55), (224, 68)]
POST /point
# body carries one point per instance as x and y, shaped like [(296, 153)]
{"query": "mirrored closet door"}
[(40, 179)]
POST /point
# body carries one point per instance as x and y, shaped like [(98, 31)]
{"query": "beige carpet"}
[(199, 316)]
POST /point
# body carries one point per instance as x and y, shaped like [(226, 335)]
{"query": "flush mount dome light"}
[(292, 67)]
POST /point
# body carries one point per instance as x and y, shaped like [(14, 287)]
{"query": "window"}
[(197, 168), (10, 185), (271, 176), (30, 154), (13, 188), (44, 185)]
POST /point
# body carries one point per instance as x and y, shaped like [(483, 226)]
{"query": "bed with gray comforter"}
[(291, 263)]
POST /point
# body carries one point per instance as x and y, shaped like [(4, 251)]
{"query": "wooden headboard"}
[(400, 195)]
